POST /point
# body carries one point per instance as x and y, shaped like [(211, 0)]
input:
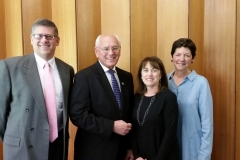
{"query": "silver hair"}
[(97, 42)]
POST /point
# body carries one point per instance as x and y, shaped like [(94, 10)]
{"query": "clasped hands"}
[(121, 127)]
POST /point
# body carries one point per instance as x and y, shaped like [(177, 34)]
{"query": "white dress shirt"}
[(57, 85), (109, 75)]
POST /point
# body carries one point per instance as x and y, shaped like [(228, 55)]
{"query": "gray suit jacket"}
[(24, 127)]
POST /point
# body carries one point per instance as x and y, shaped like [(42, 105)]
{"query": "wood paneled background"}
[(146, 28)]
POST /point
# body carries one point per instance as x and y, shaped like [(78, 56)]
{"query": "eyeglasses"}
[(107, 49), (47, 36)]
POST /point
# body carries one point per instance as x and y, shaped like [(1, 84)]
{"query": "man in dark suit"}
[(103, 123), (25, 128)]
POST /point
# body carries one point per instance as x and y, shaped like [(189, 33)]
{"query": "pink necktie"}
[(49, 93)]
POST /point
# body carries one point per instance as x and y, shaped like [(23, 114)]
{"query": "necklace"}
[(146, 112)]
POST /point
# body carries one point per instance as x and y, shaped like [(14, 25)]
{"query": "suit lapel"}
[(101, 75), (64, 77), (31, 75)]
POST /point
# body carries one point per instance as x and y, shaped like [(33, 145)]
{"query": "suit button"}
[(27, 110), (30, 146), (32, 129)]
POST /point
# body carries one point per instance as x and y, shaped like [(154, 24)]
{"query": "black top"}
[(156, 139)]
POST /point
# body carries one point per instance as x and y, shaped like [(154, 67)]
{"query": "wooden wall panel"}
[(88, 19), (146, 28), (31, 11), (1, 150), (2, 30), (63, 13), (237, 153), (13, 28), (172, 24), (219, 69), (143, 32), (196, 32), (115, 19)]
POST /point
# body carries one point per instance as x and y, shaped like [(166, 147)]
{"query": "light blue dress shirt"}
[(195, 124)]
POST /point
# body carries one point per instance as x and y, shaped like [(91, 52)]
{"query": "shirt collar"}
[(106, 69), (41, 62), (171, 75), (190, 76)]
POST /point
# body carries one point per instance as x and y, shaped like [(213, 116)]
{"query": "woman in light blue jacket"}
[(195, 124)]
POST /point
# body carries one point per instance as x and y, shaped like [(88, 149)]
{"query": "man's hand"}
[(121, 127)]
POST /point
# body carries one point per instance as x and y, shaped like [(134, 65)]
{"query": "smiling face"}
[(150, 76), (106, 51), (182, 59), (43, 47)]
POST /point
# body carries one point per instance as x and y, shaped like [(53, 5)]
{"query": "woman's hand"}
[(129, 155)]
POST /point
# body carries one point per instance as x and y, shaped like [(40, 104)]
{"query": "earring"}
[(171, 60)]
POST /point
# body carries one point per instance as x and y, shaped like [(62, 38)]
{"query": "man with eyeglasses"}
[(101, 104), (34, 121)]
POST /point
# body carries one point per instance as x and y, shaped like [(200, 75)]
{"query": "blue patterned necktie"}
[(115, 87)]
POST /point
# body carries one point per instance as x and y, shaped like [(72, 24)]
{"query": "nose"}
[(110, 51), (44, 38), (182, 57), (150, 72)]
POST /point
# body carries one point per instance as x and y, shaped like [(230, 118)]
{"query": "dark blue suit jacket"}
[(94, 109)]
